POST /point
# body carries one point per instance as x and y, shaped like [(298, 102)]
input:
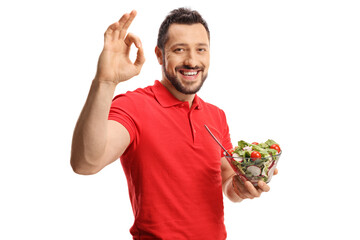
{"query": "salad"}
[(255, 161)]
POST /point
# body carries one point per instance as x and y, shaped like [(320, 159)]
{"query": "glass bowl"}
[(254, 170)]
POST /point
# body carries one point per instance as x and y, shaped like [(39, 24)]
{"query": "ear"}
[(159, 55)]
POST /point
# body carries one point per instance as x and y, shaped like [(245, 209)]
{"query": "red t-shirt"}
[(172, 164)]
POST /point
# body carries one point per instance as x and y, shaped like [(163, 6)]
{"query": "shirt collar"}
[(166, 99)]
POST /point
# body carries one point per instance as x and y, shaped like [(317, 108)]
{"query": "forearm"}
[(90, 134), (96, 141), (229, 190)]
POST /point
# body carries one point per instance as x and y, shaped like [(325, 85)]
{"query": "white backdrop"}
[(286, 70)]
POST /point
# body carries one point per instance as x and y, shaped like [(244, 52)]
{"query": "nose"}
[(190, 59)]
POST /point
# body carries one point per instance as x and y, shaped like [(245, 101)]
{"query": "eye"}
[(179, 50), (202, 49)]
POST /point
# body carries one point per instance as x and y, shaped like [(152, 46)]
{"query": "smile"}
[(189, 73)]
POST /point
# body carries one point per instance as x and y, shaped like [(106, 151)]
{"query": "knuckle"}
[(243, 196)]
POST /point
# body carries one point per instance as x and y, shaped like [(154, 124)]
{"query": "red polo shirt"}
[(172, 164)]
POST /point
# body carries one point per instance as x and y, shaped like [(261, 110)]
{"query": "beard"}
[(191, 88)]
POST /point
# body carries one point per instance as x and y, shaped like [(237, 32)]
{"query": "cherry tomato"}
[(255, 155), (276, 147), (255, 143), (231, 151)]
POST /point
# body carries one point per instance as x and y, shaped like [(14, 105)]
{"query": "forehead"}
[(187, 34)]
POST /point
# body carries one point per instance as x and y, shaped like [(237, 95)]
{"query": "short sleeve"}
[(119, 114), (226, 139)]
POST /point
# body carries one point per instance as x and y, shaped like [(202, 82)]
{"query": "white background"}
[(286, 70)]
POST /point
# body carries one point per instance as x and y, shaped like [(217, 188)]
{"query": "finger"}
[(242, 178), (252, 190), (249, 194), (276, 171), (123, 20), (237, 190), (119, 25), (110, 30), (263, 186), (140, 58), (242, 189), (132, 15), (126, 23), (131, 38), (116, 32)]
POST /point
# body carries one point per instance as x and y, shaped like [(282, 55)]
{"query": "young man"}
[(176, 172)]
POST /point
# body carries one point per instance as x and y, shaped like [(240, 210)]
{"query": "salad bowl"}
[(254, 169)]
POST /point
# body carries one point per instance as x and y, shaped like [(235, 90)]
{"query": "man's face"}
[(186, 57)]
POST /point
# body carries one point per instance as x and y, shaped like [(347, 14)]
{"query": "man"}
[(175, 171)]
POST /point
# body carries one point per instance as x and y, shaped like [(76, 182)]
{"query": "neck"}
[(178, 95)]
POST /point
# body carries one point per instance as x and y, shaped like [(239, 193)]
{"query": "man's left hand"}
[(246, 190)]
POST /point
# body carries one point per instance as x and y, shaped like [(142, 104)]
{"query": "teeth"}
[(189, 73)]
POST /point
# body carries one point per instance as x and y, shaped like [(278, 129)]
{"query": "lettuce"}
[(270, 142), (242, 144), (263, 148)]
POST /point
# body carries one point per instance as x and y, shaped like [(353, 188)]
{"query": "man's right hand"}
[(114, 65)]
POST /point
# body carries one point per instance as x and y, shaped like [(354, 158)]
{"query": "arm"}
[(97, 141), (237, 190)]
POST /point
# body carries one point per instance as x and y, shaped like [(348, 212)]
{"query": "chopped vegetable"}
[(276, 147), (255, 161), (254, 170), (255, 155)]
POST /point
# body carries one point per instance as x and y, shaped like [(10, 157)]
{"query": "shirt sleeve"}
[(226, 139), (119, 114)]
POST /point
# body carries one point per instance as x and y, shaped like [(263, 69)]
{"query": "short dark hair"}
[(179, 16)]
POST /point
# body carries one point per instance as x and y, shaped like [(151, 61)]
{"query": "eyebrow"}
[(185, 44)]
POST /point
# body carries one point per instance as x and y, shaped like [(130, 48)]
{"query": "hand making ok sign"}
[(114, 63)]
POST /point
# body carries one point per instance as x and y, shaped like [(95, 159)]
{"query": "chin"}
[(186, 86), (191, 88)]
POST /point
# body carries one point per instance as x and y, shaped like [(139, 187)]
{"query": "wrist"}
[(104, 83)]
